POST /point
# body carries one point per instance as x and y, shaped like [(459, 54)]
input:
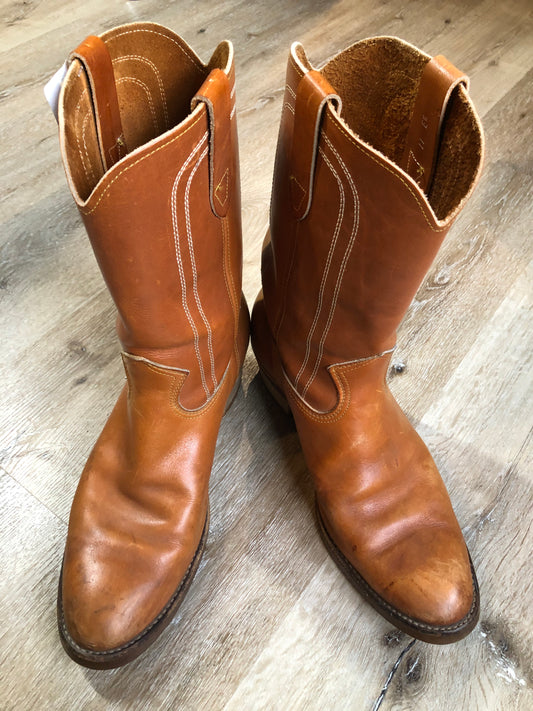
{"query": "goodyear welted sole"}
[(435, 634)]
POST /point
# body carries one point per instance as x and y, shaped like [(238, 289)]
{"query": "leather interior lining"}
[(156, 77), (378, 81)]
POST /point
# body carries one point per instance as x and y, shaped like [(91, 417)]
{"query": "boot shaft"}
[(149, 142), (352, 231)]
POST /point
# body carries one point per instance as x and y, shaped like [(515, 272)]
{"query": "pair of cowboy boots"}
[(377, 154)]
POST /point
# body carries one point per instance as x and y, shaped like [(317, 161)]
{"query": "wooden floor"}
[(270, 623)]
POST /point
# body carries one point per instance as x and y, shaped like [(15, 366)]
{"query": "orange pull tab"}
[(312, 95), (96, 61), (215, 93), (437, 83)]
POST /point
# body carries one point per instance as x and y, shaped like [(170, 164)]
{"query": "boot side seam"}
[(230, 286)]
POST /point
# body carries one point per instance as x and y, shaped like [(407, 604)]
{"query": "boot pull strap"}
[(215, 93), (95, 59), (312, 96), (438, 81)]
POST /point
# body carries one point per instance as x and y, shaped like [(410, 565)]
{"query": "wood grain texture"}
[(270, 623)]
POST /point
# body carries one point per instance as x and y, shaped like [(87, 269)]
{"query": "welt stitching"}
[(383, 603), (120, 651)]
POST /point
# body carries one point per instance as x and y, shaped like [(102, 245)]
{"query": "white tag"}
[(53, 87)]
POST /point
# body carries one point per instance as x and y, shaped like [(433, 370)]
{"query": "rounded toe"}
[(425, 584), (439, 598), (97, 623)]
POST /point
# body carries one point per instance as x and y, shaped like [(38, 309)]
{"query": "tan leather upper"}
[(338, 279), (361, 252), (164, 222)]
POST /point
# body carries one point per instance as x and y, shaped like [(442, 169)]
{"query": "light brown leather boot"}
[(149, 142), (363, 196)]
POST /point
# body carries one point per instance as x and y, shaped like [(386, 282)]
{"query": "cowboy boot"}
[(377, 154), (149, 144)]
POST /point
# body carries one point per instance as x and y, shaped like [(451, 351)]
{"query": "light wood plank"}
[(270, 623)]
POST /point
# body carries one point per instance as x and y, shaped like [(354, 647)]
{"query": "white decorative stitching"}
[(290, 90), (77, 132), (83, 130), (159, 80), (342, 268), (231, 95), (290, 107), (148, 96), (194, 270), (325, 274), (180, 263)]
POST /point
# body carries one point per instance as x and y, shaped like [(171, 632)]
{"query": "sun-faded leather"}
[(337, 280), (164, 222)]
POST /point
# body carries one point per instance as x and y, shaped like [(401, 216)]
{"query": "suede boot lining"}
[(378, 81), (156, 76)]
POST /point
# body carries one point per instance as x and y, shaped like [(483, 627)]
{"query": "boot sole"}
[(434, 634), (113, 658)]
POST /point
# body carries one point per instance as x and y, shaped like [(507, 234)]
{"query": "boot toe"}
[(108, 614), (424, 585), (98, 620), (438, 595)]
